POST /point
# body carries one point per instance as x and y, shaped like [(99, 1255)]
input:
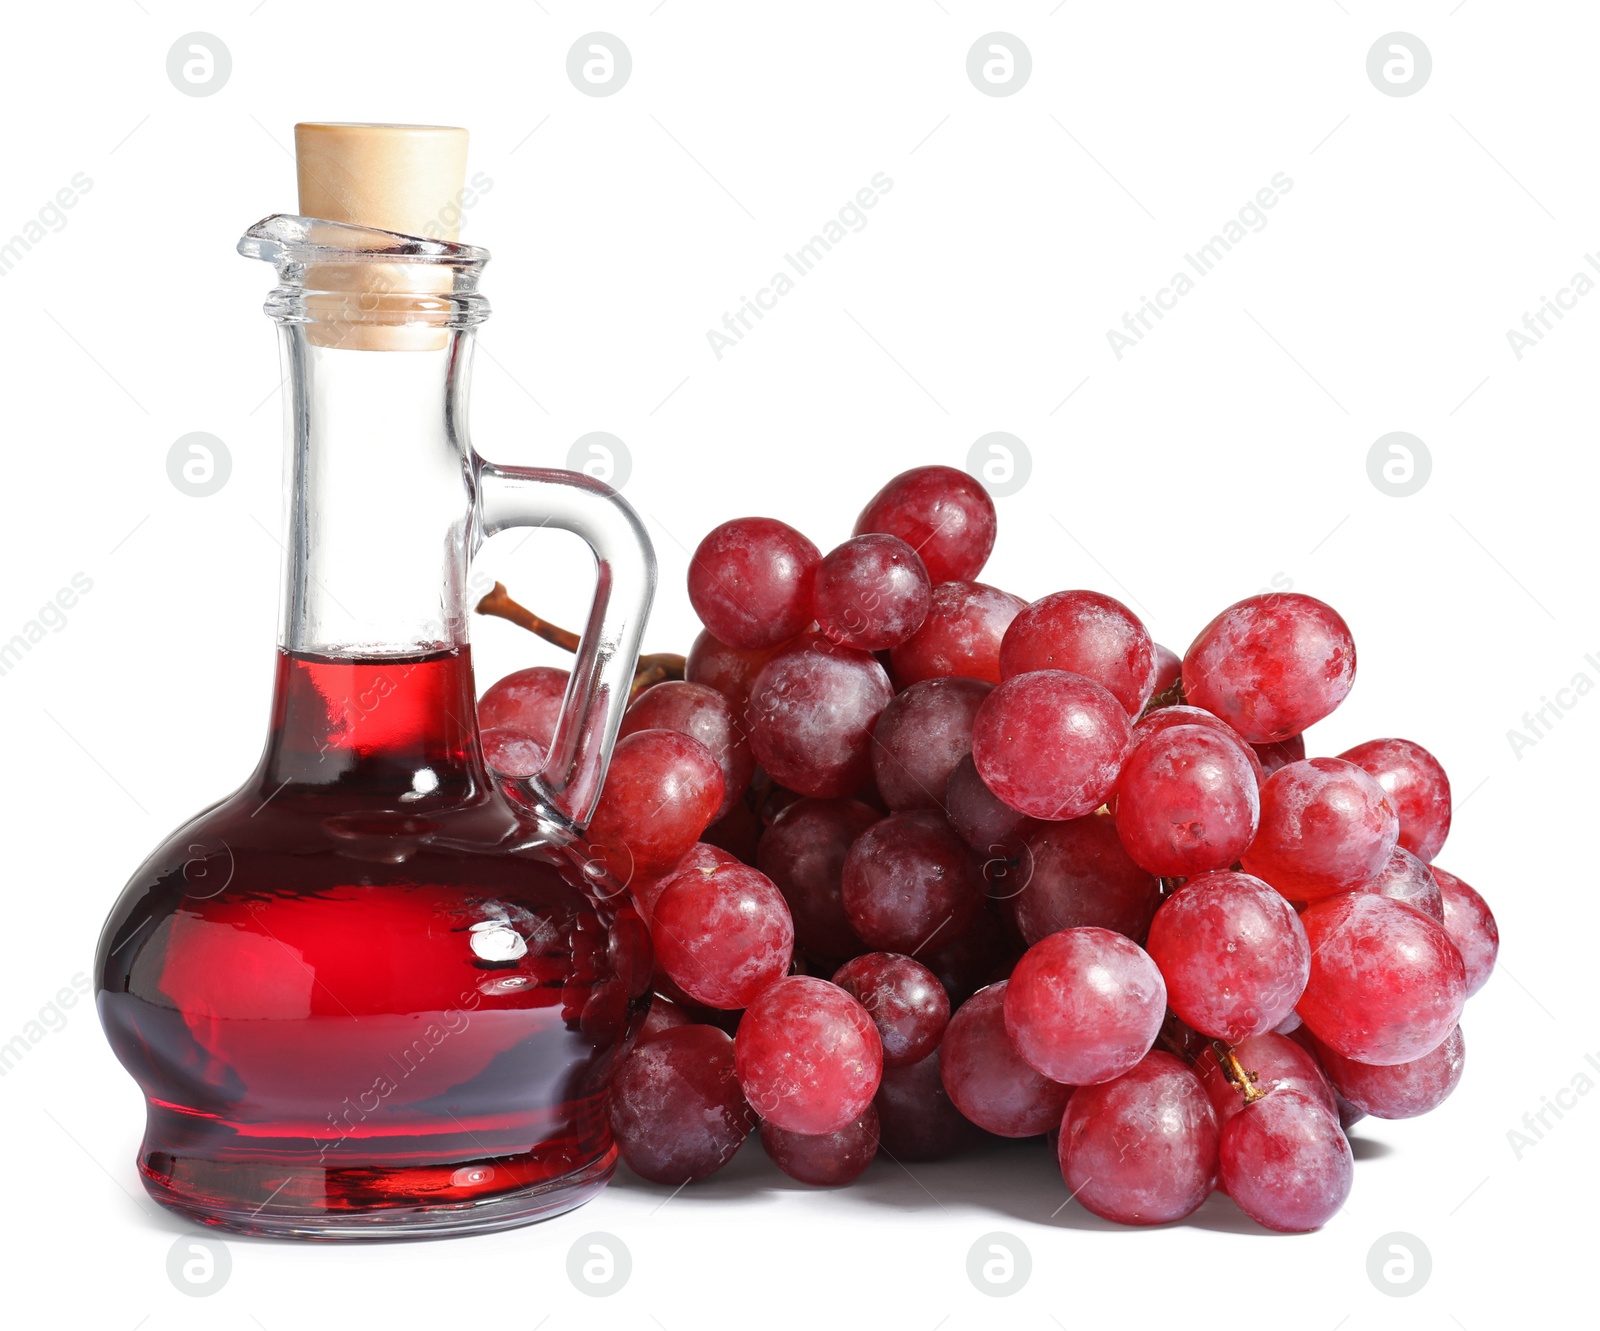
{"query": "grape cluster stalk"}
[(923, 862)]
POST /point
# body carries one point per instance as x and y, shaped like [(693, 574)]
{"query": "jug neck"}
[(374, 685), (378, 488)]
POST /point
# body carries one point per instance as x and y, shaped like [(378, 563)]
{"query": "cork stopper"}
[(404, 178)]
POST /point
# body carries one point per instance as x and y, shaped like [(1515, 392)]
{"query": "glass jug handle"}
[(608, 652)]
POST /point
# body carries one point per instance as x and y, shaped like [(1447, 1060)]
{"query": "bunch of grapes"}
[(923, 862)]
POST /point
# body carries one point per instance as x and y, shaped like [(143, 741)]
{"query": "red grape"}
[(1276, 1061), (1406, 879), (943, 514), (803, 853), (988, 1080), (1279, 753), (1286, 1162), (1326, 827), (872, 593), (1084, 1005), (1169, 670), (1050, 743), (916, 1120), (676, 1108), (1417, 787), (1141, 1149), (1471, 926), (1076, 873), (1164, 718), (699, 711), (647, 888), (525, 700), (1233, 954), (750, 581), (512, 753), (1088, 634), (982, 819), (1271, 665), (1400, 1090), (660, 793), (827, 1159), (905, 1000), (1387, 984), (808, 1055), (909, 879), (722, 934), (812, 709), (1187, 802), (728, 670), (664, 1015), (921, 736), (971, 960), (960, 636)]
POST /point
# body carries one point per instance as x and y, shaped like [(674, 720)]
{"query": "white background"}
[(1224, 452)]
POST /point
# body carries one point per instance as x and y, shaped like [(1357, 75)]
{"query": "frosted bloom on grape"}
[(1471, 926), (676, 1108), (909, 879), (943, 514), (1416, 785), (808, 1056), (1141, 1149), (905, 1000), (872, 592), (812, 710), (1164, 718), (1400, 1090), (1050, 743), (662, 790), (722, 934), (1089, 634), (1387, 984), (828, 1159), (699, 711), (750, 581), (1076, 873), (803, 852), (960, 636), (528, 701), (1271, 665), (1326, 827), (1084, 1005), (1187, 802), (1286, 1161), (988, 1080), (1233, 954), (1406, 879), (921, 737)]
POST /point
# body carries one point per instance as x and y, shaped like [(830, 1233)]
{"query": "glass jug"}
[(379, 990)]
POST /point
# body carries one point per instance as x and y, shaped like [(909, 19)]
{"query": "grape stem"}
[(499, 603), (1243, 1080), (652, 669), (1171, 696)]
